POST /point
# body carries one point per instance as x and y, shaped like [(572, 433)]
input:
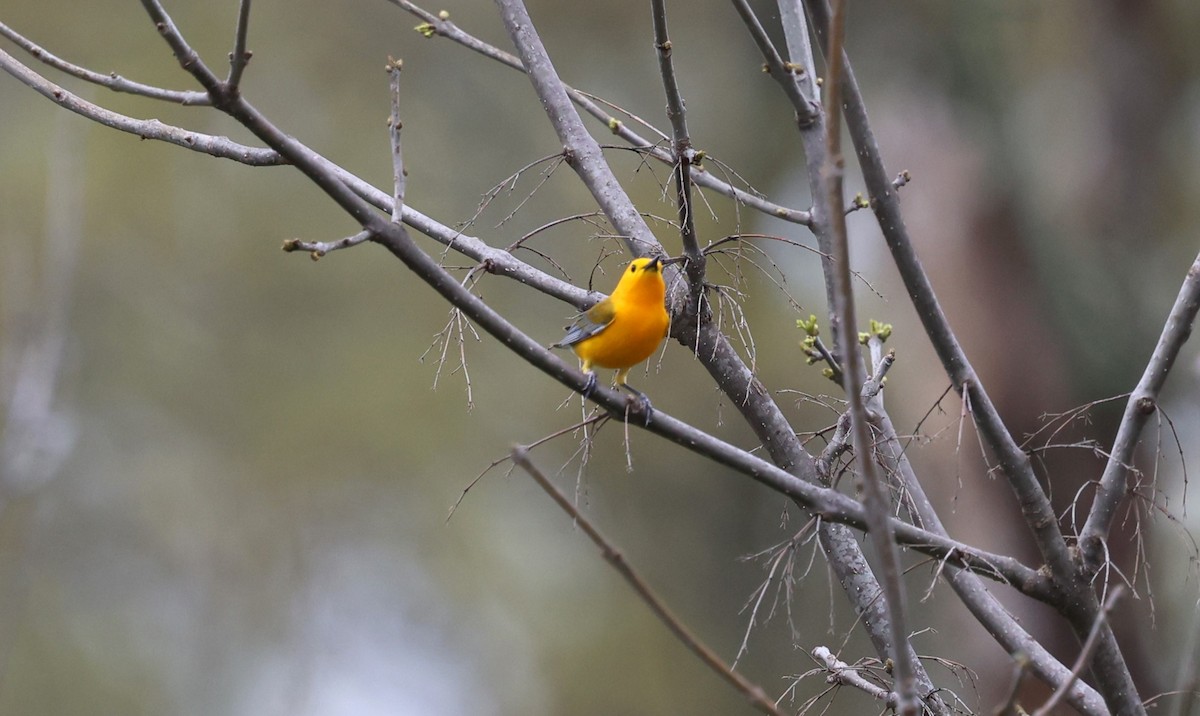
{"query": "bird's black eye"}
[(632, 269)]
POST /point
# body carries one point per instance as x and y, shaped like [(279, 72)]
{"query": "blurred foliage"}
[(252, 518)]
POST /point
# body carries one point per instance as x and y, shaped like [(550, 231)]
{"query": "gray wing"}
[(588, 324)]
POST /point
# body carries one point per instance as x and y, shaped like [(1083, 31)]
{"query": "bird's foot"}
[(639, 404), (590, 386)]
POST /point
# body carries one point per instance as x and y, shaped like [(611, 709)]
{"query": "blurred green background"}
[(226, 472)]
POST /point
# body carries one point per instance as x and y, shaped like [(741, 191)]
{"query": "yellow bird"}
[(624, 329)]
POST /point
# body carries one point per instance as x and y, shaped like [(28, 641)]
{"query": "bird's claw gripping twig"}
[(590, 386), (640, 403)]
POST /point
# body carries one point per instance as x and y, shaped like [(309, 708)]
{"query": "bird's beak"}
[(668, 262)]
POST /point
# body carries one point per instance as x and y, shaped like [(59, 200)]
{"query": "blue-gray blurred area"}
[(227, 469)]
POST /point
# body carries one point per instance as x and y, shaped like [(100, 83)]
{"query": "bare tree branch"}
[(1013, 461), (842, 673), (239, 58), (799, 85), (394, 126), (1085, 654), (112, 81), (1142, 403), (683, 154), (983, 605), (828, 503), (442, 27), (145, 128), (785, 73), (1079, 603), (753, 692), (875, 495)]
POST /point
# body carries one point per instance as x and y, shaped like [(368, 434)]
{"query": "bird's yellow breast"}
[(637, 327)]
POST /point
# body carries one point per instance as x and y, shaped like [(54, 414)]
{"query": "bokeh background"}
[(226, 470)]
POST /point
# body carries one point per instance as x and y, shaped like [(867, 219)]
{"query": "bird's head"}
[(642, 279)]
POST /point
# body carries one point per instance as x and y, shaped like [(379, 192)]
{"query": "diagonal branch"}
[(982, 604), (1143, 402), (799, 86), (753, 692), (435, 25), (1085, 654), (493, 260), (785, 73), (582, 151)]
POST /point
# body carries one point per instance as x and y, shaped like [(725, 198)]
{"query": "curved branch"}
[(112, 81), (145, 128)]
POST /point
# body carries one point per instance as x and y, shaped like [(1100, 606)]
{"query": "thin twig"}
[(1188, 677), (1008, 707), (594, 419), (240, 57), (753, 693), (144, 128), (318, 249), (394, 126), (112, 80), (683, 154), (839, 672)]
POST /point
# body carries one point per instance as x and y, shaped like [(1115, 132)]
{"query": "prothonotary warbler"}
[(624, 329)]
